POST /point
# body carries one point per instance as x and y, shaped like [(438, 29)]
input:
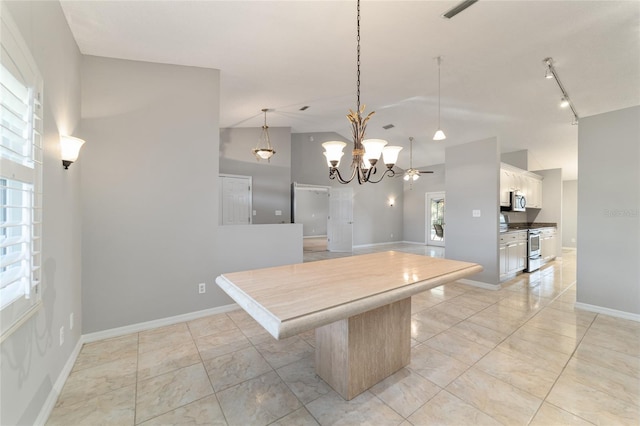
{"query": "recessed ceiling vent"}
[(388, 126), (458, 8)]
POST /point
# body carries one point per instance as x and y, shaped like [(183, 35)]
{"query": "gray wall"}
[(32, 358), (473, 182), (551, 210), (519, 159), (569, 213), (375, 221), (149, 189), (609, 210), (312, 210), (415, 199), (271, 180)]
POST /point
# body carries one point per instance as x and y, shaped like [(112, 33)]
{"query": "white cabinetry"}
[(548, 244), (515, 179), (513, 253)]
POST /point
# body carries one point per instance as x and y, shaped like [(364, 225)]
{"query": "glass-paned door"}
[(435, 222)]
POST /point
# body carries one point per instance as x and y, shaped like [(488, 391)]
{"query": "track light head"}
[(564, 102)]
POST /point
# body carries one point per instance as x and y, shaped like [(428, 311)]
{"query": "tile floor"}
[(521, 355)]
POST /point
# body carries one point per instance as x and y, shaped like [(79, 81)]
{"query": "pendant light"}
[(366, 152), (439, 135), (264, 150)]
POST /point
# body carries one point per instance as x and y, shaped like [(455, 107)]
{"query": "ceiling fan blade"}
[(425, 171)]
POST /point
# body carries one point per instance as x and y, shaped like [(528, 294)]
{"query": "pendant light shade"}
[(439, 135), (264, 150)]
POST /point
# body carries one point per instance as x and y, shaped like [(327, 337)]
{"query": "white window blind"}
[(20, 179)]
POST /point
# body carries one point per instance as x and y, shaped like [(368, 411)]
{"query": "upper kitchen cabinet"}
[(514, 179)]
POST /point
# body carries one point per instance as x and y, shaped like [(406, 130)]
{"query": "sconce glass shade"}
[(373, 149), (390, 155), (333, 152), (69, 149)]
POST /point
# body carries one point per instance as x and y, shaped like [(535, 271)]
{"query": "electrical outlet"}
[(202, 288), (61, 335), (71, 321)]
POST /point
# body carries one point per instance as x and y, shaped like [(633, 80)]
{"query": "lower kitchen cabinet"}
[(513, 253), (548, 244)]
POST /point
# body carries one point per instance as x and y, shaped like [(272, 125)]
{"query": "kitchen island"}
[(360, 307)]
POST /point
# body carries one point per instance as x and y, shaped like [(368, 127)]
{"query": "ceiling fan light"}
[(439, 135), (407, 177), (548, 74), (416, 176)]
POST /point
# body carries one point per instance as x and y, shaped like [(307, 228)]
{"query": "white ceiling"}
[(283, 55)]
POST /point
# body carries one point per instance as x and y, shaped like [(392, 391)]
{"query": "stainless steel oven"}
[(534, 259)]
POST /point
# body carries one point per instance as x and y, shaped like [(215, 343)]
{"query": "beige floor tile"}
[(365, 409), (221, 343), (518, 372), (169, 391), (169, 358), (627, 327), (606, 380), (470, 302), (457, 310), (236, 367), (96, 353), (500, 400), (591, 404), (422, 330), (603, 357), (112, 408), (279, 353), (91, 382), (458, 347), (405, 391), (613, 339), (309, 336), (158, 338), (550, 415), (300, 417), (258, 401), (534, 353), (205, 411), (438, 315), (478, 333), (435, 366), (501, 324), (210, 325), (547, 338), (524, 302), (446, 409), (301, 378)]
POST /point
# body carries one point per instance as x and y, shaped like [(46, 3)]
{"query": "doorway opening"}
[(435, 219), (310, 207)]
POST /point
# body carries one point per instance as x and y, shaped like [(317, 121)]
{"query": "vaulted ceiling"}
[(284, 55)]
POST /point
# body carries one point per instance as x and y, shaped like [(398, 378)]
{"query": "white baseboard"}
[(148, 325), (421, 243), (377, 244), (480, 284), (607, 311), (47, 408)]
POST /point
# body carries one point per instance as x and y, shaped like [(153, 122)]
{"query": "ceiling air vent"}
[(304, 108), (388, 126), (458, 8)]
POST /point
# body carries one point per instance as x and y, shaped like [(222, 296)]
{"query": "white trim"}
[(148, 325), (480, 284), (52, 398), (606, 311), (314, 236), (420, 243), (377, 244)]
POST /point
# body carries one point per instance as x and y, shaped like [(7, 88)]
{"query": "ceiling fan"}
[(412, 174)]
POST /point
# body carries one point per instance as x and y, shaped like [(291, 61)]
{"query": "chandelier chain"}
[(358, 62)]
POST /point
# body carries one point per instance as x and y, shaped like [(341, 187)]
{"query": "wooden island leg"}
[(354, 354)]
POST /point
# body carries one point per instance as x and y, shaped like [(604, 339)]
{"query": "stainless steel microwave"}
[(518, 202)]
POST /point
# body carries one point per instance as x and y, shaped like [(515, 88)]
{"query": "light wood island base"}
[(355, 353)]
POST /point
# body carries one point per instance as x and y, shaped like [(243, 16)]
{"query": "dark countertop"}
[(534, 225)]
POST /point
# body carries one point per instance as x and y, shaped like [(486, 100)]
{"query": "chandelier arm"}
[(334, 173), (388, 172)]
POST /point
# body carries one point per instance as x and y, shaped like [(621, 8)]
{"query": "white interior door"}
[(435, 223), (235, 200), (340, 223)]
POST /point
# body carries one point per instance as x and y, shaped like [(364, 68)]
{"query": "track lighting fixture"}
[(566, 100)]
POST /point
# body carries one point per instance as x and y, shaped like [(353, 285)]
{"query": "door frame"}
[(428, 196)]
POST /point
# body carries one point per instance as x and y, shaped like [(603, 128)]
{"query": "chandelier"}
[(366, 152), (264, 150)]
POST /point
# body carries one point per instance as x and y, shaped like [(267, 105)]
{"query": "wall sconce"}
[(69, 149), (392, 201)]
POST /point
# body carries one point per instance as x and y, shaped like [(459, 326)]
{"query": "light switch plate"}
[(476, 213)]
